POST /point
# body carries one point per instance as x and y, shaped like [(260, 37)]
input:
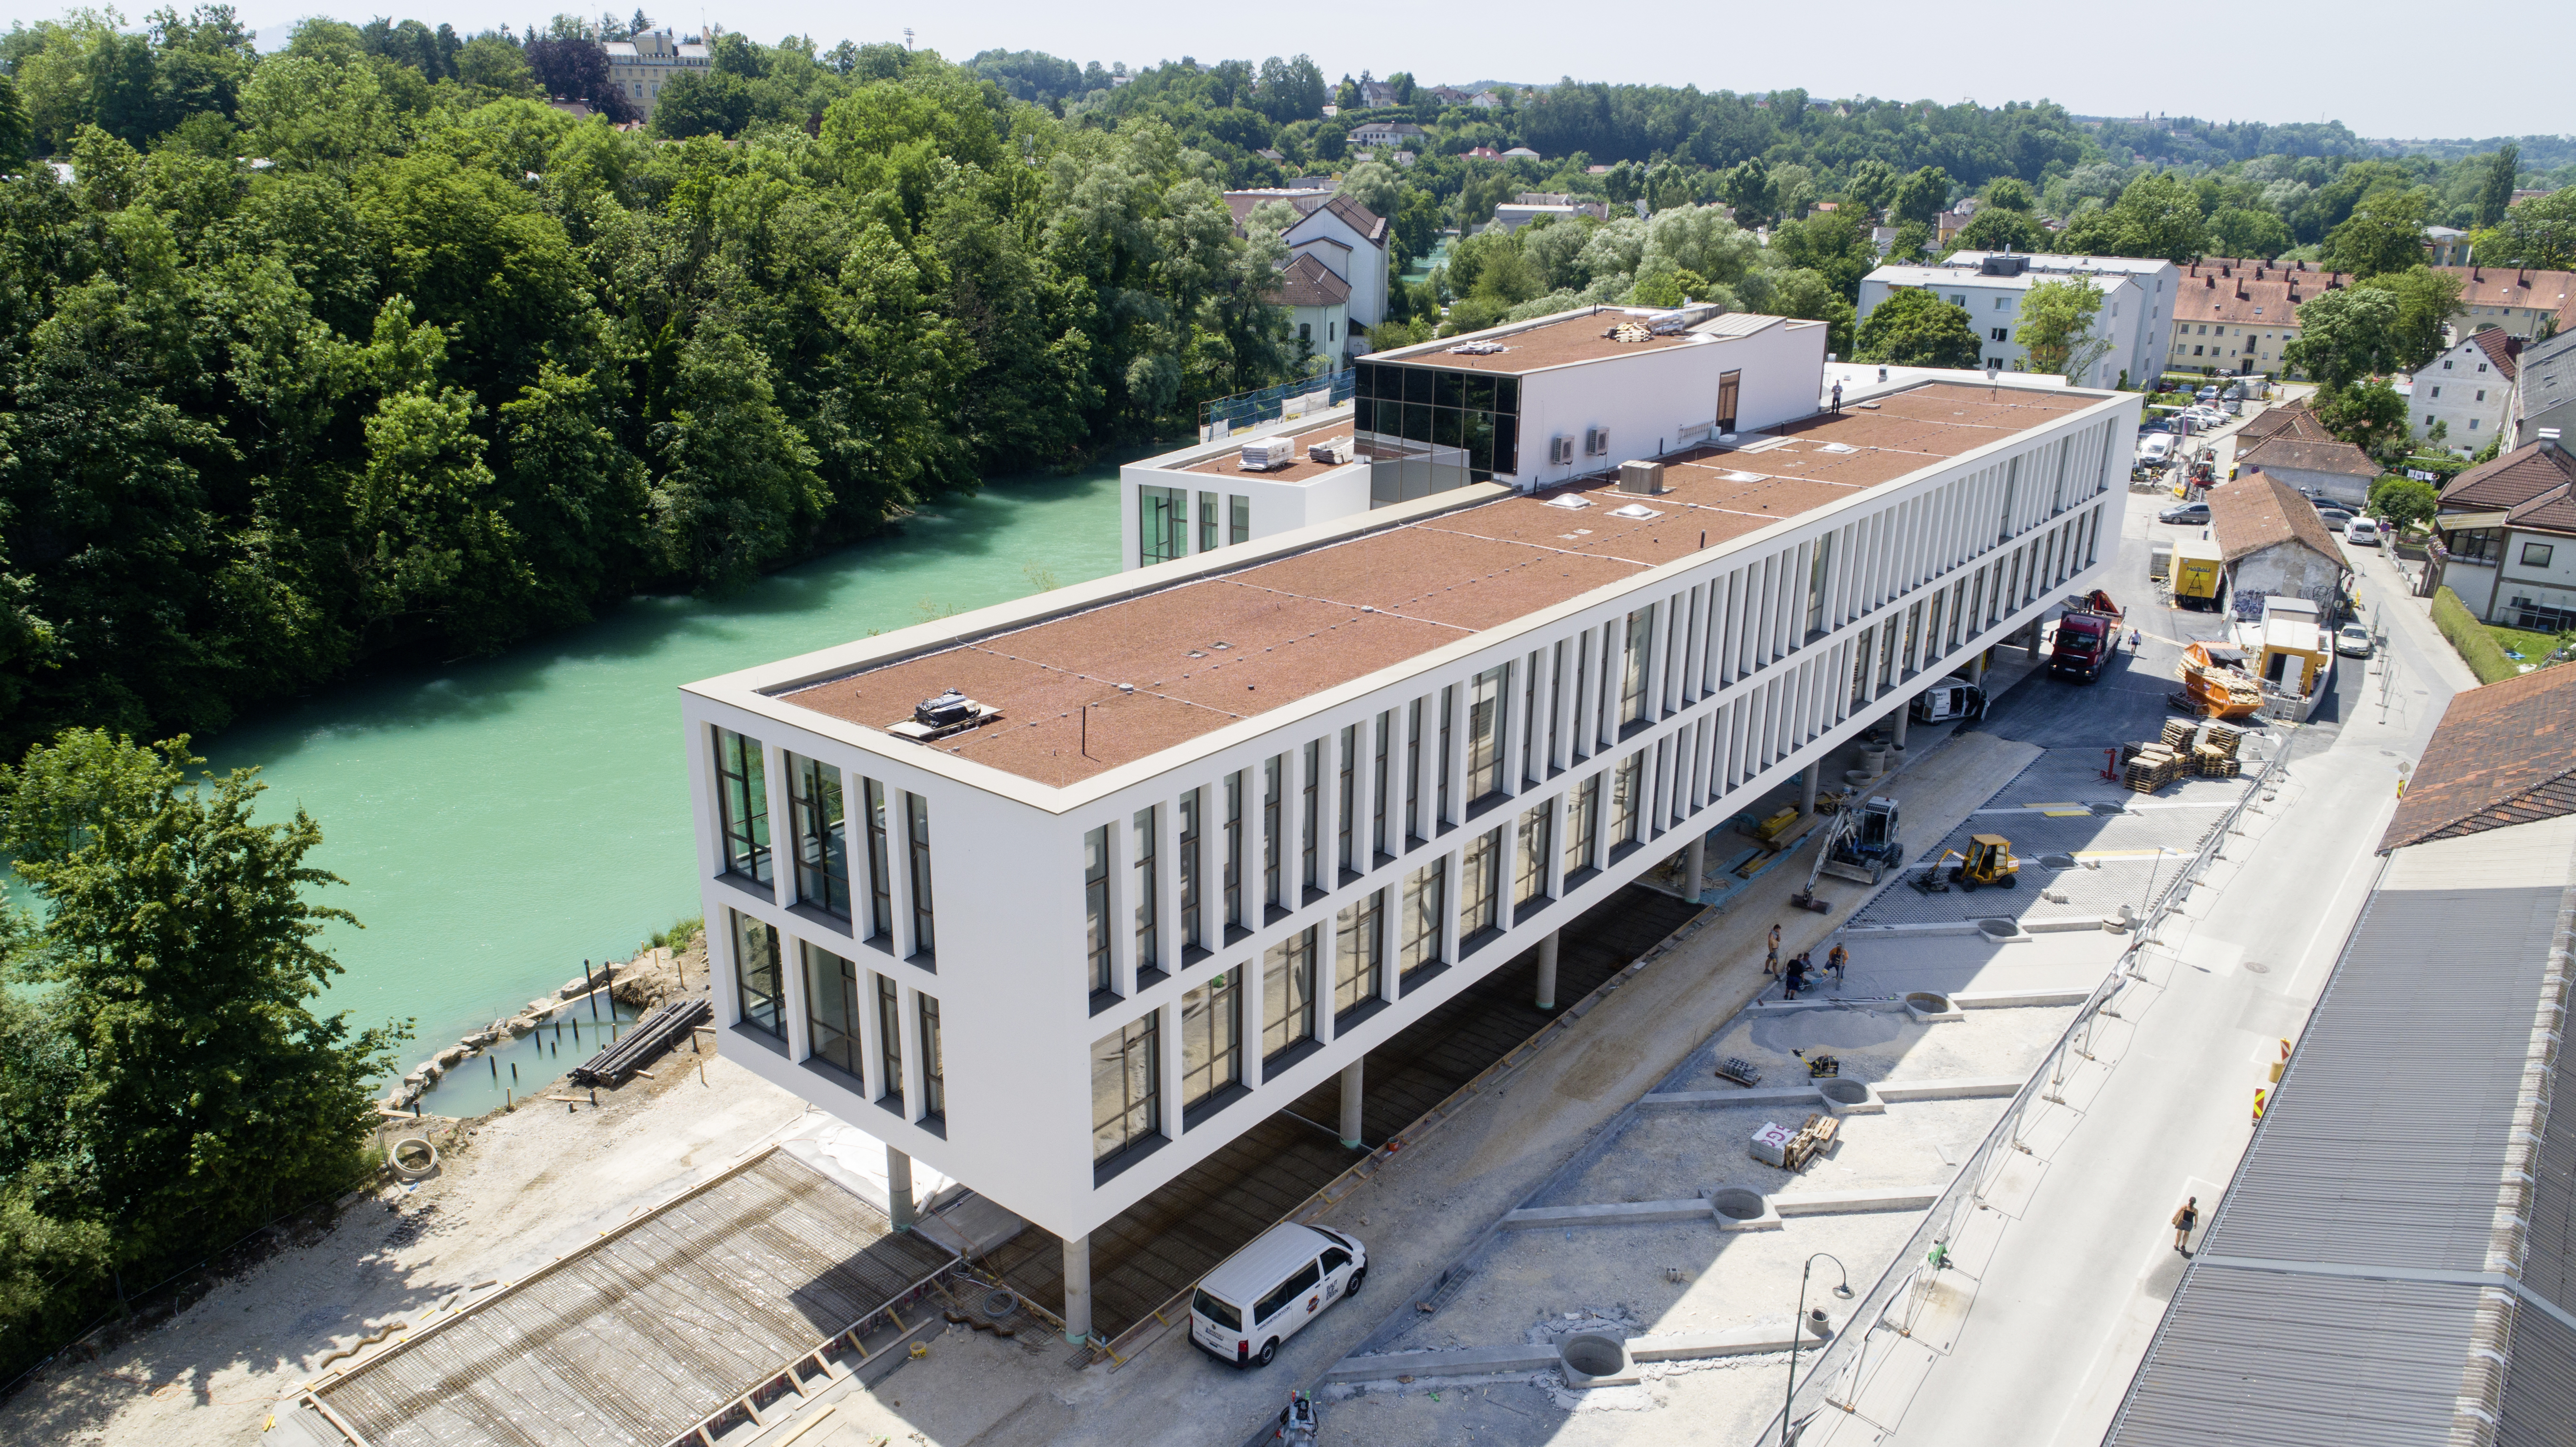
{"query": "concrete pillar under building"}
[(1351, 1105), (1977, 667), (1904, 715), (1695, 866), (899, 1206), (1077, 1289), (1547, 971), (1807, 787)]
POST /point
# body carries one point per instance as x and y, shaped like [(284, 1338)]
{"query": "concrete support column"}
[(1977, 667), (1077, 1289), (1694, 865), (1807, 787), (899, 1207), (1547, 971), (1903, 715), (1351, 1104)]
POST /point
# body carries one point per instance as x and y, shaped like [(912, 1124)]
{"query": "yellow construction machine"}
[(1989, 860)]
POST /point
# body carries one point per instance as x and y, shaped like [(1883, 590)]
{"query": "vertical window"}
[(934, 1070), (1288, 993), (1530, 762), (1377, 784), (1310, 827), (1425, 896), (1126, 1088), (1350, 803), (1581, 744), (1632, 677), (1239, 519), (1582, 817), (1211, 1038), (1480, 868), (1412, 770), (755, 975), (1555, 703), (832, 1010), (1207, 522), (1485, 732), (1095, 907), (1234, 849), (1270, 822), (880, 890), (1149, 939), (916, 811), (1816, 569), (1448, 711), (742, 805), (1162, 524), (1626, 786), (822, 850), (1359, 953), (1529, 880), (890, 1043), (1193, 929)]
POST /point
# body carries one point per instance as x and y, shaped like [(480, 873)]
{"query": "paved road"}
[(2067, 1305)]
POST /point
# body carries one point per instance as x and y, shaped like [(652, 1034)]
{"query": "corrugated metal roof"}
[(2387, 1145), (2236, 1362), (2539, 1385), (2549, 1257)]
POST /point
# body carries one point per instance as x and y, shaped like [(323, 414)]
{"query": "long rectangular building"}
[(1212, 829)]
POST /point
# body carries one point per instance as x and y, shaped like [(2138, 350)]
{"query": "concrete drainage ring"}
[(1590, 1355), (412, 1158), (1844, 1092), (1928, 1002), (1737, 1204), (1998, 929), (2059, 862)]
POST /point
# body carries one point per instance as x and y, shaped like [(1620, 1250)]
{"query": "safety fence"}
[(1225, 416), (1839, 1372)]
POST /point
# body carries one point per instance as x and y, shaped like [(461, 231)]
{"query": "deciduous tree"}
[(1914, 328)]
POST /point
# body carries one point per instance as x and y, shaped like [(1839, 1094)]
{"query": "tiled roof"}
[(2254, 513), (1308, 282), (2504, 754), (2300, 454), (2291, 419), (2503, 350), (2534, 486), (1358, 217), (2550, 291), (2256, 295)]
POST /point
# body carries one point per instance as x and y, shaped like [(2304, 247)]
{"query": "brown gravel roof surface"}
[(1576, 339), (1202, 654), (1230, 462)]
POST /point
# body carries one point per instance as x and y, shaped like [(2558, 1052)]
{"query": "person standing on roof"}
[(1838, 394), (1771, 961), (2183, 1220)]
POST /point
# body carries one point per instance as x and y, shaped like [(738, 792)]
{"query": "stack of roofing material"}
[(656, 1032)]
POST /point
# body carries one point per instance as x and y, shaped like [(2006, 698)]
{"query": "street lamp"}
[(1798, 1327)]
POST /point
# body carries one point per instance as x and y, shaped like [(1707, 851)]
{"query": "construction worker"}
[(1796, 978), (1771, 961), (1836, 960)]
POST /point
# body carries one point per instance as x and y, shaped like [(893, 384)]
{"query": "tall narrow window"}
[(1239, 509), (1095, 908), (1208, 522), (1234, 849), (1149, 903), (1211, 1038), (1127, 1087), (1816, 569), (934, 1070), (1582, 818), (742, 805), (1633, 671), (1270, 821), (1413, 771), (1448, 711), (880, 888), (1485, 733), (1480, 867), (1193, 926), (822, 850), (1359, 953), (1425, 897), (1377, 785), (1625, 789), (1350, 803), (832, 1010), (1555, 702), (1310, 820), (1529, 720), (1529, 880), (1162, 524), (1579, 745), (755, 975), (890, 1043), (1288, 993), (916, 810)]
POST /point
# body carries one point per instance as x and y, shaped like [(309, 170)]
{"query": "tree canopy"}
[(1914, 328)]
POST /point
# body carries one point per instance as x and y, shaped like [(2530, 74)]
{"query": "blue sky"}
[(2363, 62)]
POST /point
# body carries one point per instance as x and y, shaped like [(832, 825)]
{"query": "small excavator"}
[(1989, 860), (1859, 845)]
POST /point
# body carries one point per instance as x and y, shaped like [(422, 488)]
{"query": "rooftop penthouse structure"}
[(1190, 840)]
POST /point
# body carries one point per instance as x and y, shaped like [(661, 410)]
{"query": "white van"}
[(2361, 532), (1260, 1296), (2155, 449)]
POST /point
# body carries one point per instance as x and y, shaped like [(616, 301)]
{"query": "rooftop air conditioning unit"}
[(1337, 451), (936, 718), (1596, 441), (1269, 454), (1560, 450), (1645, 478)]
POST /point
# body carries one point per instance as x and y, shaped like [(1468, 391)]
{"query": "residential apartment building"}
[(2236, 317), (2544, 391), (2526, 303), (642, 66), (1318, 303), (2137, 303), (1388, 133), (2467, 391), (2503, 524), (1211, 831), (1344, 237), (1533, 404)]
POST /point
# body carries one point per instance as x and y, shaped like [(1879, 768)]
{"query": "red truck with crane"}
[(2087, 635)]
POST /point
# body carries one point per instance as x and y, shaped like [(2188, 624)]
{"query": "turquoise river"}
[(499, 821)]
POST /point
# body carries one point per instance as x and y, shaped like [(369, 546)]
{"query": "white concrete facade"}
[(1669, 699), (2137, 304), (2462, 390)]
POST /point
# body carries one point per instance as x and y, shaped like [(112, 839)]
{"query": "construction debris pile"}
[(2205, 748)]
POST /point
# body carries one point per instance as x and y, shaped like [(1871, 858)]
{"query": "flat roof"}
[(1229, 463), (1085, 692), (1584, 338)]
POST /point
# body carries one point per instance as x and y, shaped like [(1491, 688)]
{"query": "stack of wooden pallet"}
[(2151, 768)]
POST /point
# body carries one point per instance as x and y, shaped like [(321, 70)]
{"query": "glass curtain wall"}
[(1428, 429)]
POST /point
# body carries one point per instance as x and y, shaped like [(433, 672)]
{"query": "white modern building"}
[(1211, 830), (1532, 404), (2137, 303)]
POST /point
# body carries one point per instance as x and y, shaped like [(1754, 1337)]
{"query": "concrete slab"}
[(1968, 1088), (1844, 1203)]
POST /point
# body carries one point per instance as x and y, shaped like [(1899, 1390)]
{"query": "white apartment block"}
[(2468, 390), (1531, 405), (642, 66), (2137, 304), (1214, 829)]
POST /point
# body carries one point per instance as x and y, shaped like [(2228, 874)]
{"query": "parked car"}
[(2334, 517), (2206, 417), (2232, 392), (2361, 532), (2208, 393), (2352, 641), (2186, 512), (1261, 1295), (2155, 451)]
